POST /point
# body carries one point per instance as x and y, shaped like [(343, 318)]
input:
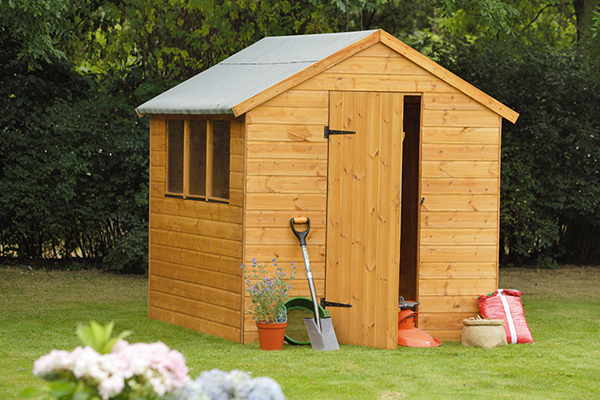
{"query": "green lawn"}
[(40, 311)]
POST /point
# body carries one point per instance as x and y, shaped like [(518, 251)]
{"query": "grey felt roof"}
[(247, 73)]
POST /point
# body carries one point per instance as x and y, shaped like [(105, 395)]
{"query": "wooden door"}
[(363, 216)]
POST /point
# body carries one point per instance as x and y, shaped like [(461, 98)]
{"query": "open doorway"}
[(409, 240)]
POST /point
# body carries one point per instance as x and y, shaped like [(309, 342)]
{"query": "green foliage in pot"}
[(268, 293)]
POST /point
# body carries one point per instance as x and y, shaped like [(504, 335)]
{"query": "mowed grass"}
[(40, 311)]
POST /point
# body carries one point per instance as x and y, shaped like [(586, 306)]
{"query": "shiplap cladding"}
[(196, 246)]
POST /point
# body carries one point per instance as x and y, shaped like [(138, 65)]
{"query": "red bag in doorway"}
[(506, 304)]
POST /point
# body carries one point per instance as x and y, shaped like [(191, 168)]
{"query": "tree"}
[(37, 25)]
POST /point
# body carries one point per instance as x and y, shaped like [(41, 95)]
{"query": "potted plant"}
[(268, 293)]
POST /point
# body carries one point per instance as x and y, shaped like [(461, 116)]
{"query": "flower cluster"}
[(234, 385), (111, 368), (136, 370), (267, 294)]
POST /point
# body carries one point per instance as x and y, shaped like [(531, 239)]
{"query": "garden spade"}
[(320, 330)]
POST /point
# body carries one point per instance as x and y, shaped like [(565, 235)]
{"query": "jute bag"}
[(486, 333)]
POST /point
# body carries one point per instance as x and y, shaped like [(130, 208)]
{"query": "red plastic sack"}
[(506, 304)]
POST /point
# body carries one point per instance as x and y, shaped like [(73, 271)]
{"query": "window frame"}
[(208, 196)]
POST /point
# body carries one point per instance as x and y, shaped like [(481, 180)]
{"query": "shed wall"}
[(196, 247), (287, 177)]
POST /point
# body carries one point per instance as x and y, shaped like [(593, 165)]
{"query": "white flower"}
[(53, 362), (111, 386)]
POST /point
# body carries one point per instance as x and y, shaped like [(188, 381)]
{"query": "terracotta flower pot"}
[(271, 335)]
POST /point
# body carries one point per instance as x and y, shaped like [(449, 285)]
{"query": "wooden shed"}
[(407, 206)]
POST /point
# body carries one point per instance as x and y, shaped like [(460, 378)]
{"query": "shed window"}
[(198, 159), (175, 161)]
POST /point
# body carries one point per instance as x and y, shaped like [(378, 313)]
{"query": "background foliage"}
[(74, 156)]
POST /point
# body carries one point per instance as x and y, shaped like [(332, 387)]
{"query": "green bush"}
[(73, 165), (551, 157)]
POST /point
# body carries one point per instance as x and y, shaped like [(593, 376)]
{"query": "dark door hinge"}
[(325, 304), (337, 132)]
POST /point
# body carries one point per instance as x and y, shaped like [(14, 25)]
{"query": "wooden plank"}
[(176, 257), (282, 218), (194, 323), (374, 82), (197, 209), (305, 74), (157, 174), (300, 98), (286, 132), (361, 277), (285, 184), (377, 65), (445, 335), (459, 219), (157, 159), (236, 197), (224, 247), (456, 287), (207, 269), (451, 270), (460, 169), (461, 118), (289, 168), (301, 289), (334, 224), (444, 321), (459, 152), (158, 126), (217, 229), (276, 236), (296, 150), (158, 141), (236, 163), (286, 202), (236, 180), (478, 253), (450, 101), (448, 304), (435, 237), (286, 252), (317, 269), (194, 308), (236, 146), (236, 127), (194, 291), (433, 134), (460, 202), (288, 115), (459, 186)]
